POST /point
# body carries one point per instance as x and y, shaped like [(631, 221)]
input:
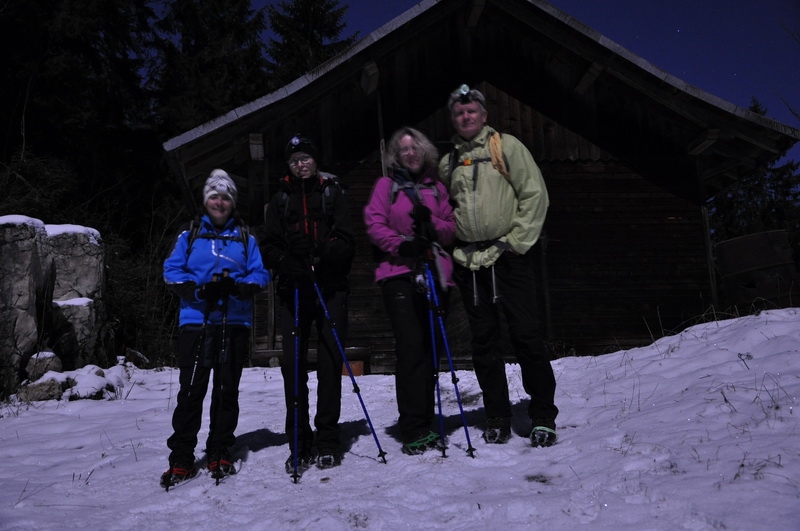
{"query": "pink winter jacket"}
[(389, 224)]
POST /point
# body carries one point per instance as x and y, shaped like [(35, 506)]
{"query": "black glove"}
[(184, 290), (423, 228), (421, 214), (245, 290), (425, 231), (209, 292), (227, 287), (291, 267), (335, 250), (300, 244), (413, 248)]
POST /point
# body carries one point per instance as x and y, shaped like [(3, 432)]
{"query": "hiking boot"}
[(543, 433), (304, 462), (221, 465), (177, 473), (498, 430), (422, 444), (328, 459)]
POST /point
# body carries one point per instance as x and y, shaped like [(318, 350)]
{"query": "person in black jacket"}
[(307, 238)]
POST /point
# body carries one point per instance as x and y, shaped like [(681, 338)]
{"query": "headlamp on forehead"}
[(464, 91), (465, 95)]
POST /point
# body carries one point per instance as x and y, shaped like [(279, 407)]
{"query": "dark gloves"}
[(413, 248), (423, 228), (300, 244), (246, 290), (215, 290), (209, 292), (421, 214), (292, 268), (227, 287), (185, 290)]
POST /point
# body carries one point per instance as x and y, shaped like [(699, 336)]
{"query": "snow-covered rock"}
[(40, 363), (51, 283)]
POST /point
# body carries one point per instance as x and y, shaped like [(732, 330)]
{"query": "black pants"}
[(514, 283), (416, 367), (198, 357), (329, 367)]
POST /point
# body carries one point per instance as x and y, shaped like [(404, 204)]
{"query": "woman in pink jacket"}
[(409, 220)]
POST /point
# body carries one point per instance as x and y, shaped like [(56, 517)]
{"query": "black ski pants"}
[(514, 284), (408, 310), (198, 358), (329, 367)]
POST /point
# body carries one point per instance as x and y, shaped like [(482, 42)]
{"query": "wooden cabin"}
[(630, 154)]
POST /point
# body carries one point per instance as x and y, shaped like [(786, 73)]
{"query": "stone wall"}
[(51, 284)]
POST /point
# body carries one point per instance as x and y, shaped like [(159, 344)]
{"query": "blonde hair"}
[(430, 155)]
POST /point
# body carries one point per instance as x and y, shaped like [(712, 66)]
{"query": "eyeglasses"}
[(408, 150), (297, 160)]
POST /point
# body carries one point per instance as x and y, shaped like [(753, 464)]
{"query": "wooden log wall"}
[(370, 336), (623, 262), (626, 260)]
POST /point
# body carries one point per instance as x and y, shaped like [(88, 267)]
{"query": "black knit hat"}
[(303, 144)]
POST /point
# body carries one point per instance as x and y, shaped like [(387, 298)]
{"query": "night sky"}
[(734, 49)]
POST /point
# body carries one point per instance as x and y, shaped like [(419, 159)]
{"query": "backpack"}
[(194, 233), (409, 188), (329, 182), (495, 148)]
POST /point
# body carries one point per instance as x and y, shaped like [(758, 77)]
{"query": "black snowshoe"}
[(177, 474)]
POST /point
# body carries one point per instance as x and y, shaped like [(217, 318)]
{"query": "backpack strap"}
[(194, 230), (329, 186), (411, 189), (329, 183), (243, 237), (498, 159)]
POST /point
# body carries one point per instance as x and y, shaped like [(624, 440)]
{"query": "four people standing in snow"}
[(486, 200)]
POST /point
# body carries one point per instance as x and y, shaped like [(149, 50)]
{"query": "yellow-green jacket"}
[(494, 213)]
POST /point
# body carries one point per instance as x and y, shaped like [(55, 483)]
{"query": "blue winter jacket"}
[(188, 268)]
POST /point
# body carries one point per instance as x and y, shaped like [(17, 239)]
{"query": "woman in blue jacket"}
[(215, 268)]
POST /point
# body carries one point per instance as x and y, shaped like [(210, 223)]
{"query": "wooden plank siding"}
[(629, 152), (626, 260), (622, 261), (369, 334)]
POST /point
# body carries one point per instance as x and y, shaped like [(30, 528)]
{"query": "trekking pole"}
[(219, 387), (381, 453), (432, 287), (200, 344), (436, 367), (202, 338), (296, 333)]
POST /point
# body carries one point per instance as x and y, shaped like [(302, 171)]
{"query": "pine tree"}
[(212, 60), (72, 82), (307, 31), (769, 199)]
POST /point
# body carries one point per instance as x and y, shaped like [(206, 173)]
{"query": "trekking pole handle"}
[(225, 274)]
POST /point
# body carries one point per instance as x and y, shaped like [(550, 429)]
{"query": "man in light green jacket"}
[(500, 207)]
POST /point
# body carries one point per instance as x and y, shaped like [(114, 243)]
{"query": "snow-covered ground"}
[(697, 431)]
